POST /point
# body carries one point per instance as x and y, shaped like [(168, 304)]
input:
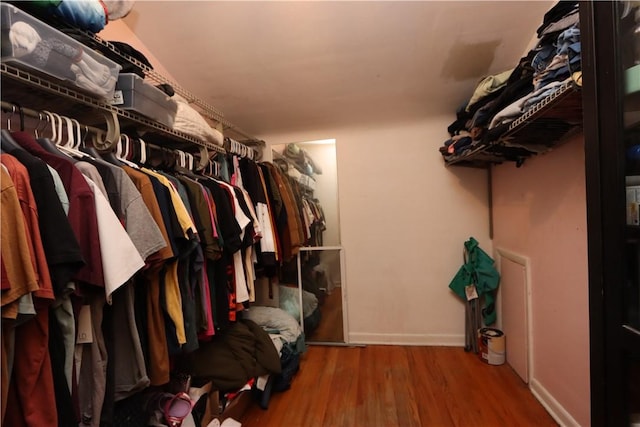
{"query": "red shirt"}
[(82, 210)]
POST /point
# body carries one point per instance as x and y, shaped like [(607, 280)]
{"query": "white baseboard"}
[(407, 339), (552, 406)]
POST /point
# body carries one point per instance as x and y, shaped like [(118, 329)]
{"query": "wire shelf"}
[(547, 124), (127, 118)]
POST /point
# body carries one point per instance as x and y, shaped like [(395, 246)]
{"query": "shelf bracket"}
[(490, 199)]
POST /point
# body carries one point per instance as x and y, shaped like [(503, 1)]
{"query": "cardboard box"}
[(210, 411), (238, 406), (214, 410)]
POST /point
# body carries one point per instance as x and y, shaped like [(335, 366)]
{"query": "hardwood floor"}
[(400, 386), (330, 328)]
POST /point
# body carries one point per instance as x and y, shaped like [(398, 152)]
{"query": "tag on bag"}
[(85, 330), (471, 292)]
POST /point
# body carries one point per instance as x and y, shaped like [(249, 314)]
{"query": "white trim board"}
[(546, 399), (553, 407), (449, 340)]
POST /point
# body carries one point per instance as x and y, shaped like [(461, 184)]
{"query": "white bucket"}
[(491, 346)]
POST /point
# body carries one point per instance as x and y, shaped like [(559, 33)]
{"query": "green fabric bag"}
[(478, 270)]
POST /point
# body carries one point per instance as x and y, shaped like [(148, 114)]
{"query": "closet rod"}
[(9, 107), (35, 81), (15, 109)]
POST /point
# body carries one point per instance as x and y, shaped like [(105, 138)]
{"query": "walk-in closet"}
[(319, 213)]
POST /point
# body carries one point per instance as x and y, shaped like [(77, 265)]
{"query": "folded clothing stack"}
[(500, 99)]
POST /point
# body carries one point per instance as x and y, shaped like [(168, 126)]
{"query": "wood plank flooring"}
[(400, 386), (330, 328)]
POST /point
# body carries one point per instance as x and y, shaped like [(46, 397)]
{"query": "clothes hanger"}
[(208, 168), (123, 143), (114, 157), (73, 139), (190, 161), (57, 120), (63, 128), (49, 144), (214, 169), (178, 157), (90, 150), (15, 105), (143, 151), (182, 165), (41, 122), (118, 151), (77, 140), (7, 143), (126, 148), (179, 160)]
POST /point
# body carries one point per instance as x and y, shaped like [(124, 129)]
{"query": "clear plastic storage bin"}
[(146, 99), (30, 43)]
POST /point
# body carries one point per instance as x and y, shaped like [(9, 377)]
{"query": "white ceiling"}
[(274, 67)]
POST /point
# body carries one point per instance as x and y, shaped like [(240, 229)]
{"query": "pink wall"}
[(539, 211)]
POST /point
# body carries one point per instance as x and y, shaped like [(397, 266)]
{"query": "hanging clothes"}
[(287, 215), (157, 261), (18, 274), (82, 214), (254, 185), (153, 342)]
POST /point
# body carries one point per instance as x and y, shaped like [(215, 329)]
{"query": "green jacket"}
[(479, 270)]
